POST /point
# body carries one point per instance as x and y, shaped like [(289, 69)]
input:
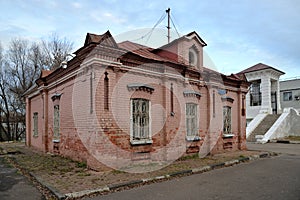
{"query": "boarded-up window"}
[(35, 124), (56, 122), (226, 120), (191, 119), (140, 119)]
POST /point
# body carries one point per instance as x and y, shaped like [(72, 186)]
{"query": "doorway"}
[(274, 102)]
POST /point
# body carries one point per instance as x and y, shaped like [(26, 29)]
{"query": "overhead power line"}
[(174, 25), (148, 35), (151, 31)]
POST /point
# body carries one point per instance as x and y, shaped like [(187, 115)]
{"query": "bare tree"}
[(25, 62), (4, 101), (56, 50), (20, 66), (23, 65)]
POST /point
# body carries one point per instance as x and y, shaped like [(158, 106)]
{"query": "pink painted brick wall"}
[(80, 136)]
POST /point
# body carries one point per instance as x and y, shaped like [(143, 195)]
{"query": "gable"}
[(104, 39), (196, 37), (259, 67), (186, 50)]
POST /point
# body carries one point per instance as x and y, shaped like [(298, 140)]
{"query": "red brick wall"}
[(37, 106), (108, 132)]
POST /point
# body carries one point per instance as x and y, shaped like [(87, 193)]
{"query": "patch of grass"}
[(242, 156), (83, 174), (294, 138), (188, 157), (81, 164), (65, 169)]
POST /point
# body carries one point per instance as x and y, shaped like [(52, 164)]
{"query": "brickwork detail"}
[(95, 109)]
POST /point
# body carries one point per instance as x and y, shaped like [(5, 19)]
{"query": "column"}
[(266, 94), (279, 110)]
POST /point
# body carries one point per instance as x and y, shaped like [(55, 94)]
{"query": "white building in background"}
[(268, 96), (264, 94), (290, 93)]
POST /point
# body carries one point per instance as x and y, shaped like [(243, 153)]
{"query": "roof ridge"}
[(258, 67)]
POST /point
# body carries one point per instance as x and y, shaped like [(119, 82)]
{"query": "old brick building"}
[(122, 103)]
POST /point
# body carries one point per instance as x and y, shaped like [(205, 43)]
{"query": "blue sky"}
[(239, 33)]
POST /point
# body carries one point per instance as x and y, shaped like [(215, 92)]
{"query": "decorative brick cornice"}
[(140, 87), (229, 99), (56, 97), (191, 93)]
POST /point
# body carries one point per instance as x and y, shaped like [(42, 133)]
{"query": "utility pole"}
[(168, 27)]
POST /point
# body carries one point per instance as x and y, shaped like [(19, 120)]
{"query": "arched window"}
[(193, 56)]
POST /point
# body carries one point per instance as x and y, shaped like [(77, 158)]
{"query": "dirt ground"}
[(68, 176)]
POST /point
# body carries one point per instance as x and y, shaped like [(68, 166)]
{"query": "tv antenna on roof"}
[(149, 33), (168, 27)]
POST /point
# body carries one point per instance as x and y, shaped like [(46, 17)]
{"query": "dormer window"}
[(193, 56)]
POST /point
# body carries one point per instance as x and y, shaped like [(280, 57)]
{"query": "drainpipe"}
[(45, 116), (208, 114), (28, 122), (239, 120)]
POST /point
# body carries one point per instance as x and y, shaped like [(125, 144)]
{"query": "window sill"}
[(228, 135), (192, 138), (141, 142), (56, 141)]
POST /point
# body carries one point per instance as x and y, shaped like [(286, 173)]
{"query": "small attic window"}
[(193, 56)]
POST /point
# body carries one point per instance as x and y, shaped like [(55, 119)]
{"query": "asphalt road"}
[(14, 186), (276, 178)]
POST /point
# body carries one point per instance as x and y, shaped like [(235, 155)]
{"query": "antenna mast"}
[(168, 27)]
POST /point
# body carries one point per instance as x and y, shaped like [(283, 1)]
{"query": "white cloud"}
[(244, 33), (76, 5), (107, 17)]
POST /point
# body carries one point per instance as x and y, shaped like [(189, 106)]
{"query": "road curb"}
[(118, 186), (54, 191), (125, 184), (285, 141), (218, 165), (183, 172), (294, 142)]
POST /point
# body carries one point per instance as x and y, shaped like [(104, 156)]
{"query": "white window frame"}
[(290, 94), (195, 136), (227, 134), (147, 140), (35, 124)]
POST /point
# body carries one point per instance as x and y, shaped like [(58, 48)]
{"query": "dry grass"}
[(70, 176), (293, 138)]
